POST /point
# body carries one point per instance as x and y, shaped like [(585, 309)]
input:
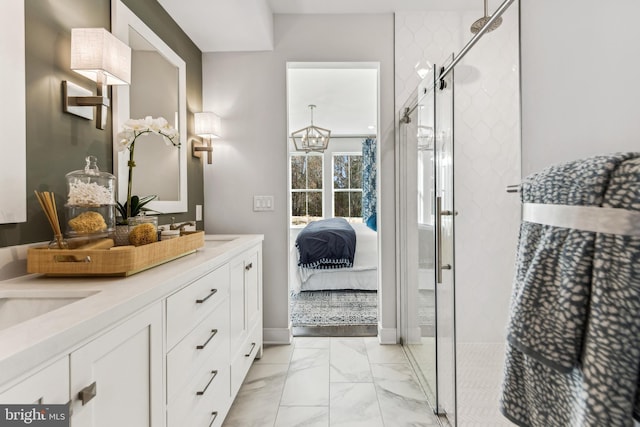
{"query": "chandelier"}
[(311, 138)]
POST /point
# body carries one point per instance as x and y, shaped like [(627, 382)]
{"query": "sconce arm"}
[(198, 147)]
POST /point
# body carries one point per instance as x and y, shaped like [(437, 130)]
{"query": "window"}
[(347, 186), (306, 188)]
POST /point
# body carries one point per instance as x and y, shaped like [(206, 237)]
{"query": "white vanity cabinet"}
[(198, 391), (116, 379), (246, 314), (168, 347), (49, 384), (112, 380)]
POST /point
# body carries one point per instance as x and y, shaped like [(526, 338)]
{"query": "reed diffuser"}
[(48, 204)]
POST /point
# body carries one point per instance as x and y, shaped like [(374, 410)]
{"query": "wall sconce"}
[(99, 56), (207, 127)]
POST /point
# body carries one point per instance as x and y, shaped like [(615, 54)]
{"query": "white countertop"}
[(50, 335)]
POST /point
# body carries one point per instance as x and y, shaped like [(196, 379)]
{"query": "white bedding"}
[(362, 276)]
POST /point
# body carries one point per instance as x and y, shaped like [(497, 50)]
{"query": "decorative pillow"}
[(372, 222)]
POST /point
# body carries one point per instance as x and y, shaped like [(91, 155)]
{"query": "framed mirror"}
[(13, 162), (157, 89)]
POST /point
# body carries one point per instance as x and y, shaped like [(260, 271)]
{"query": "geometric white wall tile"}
[(487, 154)]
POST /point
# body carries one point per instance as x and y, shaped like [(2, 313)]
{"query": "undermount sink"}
[(17, 306)]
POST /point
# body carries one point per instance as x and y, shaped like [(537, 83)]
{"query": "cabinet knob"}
[(88, 393), (249, 266)]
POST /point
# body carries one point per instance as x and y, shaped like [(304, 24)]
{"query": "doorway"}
[(333, 176)]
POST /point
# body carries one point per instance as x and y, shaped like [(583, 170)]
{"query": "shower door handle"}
[(438, 229)]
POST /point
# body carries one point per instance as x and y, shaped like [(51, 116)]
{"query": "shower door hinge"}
[(405, 118), (440, 411)]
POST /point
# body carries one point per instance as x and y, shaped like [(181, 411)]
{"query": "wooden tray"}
[(116, 261)]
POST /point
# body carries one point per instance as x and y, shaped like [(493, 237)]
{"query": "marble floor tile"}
[(308, 378), (379, 353), (258, 398), (349, 361), (307, 387), (303, 416), (276, 354), (312, 342), (354, 405), (401, 399)]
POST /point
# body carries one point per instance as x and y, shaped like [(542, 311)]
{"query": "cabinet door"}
[(252, 285), (48, 385), (120, 375), (237, 294)]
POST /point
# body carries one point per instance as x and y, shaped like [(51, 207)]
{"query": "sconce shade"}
[(97, 54), (207, 125)]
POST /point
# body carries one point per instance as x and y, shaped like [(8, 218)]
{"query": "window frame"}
[(344, 190), (307, 189)]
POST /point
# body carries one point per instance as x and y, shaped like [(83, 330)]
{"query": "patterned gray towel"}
[(602, 389), (554, 265)]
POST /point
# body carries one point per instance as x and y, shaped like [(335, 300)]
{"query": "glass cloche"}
[(91, 201)]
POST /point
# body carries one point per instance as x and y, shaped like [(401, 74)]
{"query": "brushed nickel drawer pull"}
[(253, 345), (213, 334), (200, 393), (249, 266), (212, 293), (215, 415), (88, 393)]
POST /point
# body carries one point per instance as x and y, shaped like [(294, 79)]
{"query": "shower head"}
[(476, 26)]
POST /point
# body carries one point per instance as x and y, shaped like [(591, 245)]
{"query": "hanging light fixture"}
[(311, 138)]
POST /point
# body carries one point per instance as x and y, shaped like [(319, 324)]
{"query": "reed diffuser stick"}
[(48, 203)]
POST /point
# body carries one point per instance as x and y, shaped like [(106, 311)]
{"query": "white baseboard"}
[(277, 335), (387, 335)]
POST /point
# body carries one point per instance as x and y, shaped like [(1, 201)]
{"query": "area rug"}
[(334, 308), (339, 308)]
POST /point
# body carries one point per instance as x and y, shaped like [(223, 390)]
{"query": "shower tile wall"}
[(487, 159), (487, 154)]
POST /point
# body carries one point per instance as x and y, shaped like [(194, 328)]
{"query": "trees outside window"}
[(347, 186), (306, 188)]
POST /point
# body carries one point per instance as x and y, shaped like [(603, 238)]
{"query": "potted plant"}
[(131, 131)]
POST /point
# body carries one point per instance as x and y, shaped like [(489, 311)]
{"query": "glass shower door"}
[(444, 220), (429, 327), (419, 317)]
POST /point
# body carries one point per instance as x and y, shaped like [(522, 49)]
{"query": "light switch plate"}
[(198, 212), (263, 203)]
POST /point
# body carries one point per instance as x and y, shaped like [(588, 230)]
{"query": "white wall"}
[(487, 155), (580, 87), (248, 91)]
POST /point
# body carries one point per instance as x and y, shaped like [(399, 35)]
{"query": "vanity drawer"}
[(205, 347), (190, 305), (245, 356), (191, 409)]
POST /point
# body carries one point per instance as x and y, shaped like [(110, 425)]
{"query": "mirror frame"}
[(121, 19), (13, 163)]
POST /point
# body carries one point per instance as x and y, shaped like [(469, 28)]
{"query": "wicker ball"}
[(143, 234)]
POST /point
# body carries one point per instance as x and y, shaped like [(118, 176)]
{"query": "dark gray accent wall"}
[(57, 143)]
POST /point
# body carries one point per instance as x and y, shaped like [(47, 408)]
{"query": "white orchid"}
[(133, 128)]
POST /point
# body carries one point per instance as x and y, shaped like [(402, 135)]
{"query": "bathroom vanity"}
[(166, 347)]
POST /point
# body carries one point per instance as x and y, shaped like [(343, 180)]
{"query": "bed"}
[(361, 275)]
